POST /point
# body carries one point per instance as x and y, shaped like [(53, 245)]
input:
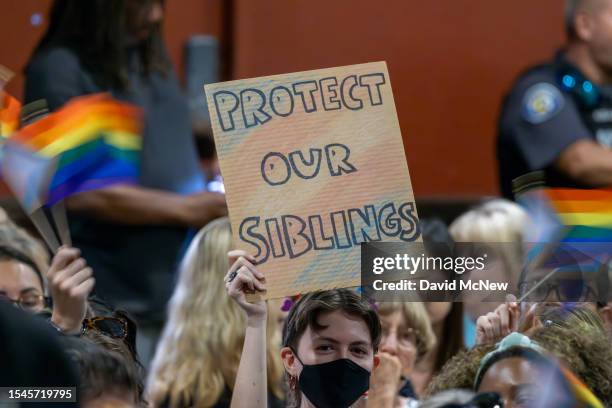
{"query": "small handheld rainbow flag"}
[(587, 212), (92, 142), (10, 109), (584, 397), (570, 230)]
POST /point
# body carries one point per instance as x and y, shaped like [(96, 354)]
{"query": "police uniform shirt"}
[(549, 108)]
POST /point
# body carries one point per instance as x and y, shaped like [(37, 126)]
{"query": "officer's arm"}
[(586, 162)]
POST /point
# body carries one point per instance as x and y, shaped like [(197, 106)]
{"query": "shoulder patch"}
[(541, 102)]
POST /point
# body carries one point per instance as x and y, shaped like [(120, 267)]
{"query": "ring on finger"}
[(232, 276)]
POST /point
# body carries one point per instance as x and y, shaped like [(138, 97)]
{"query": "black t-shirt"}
[(550, 107), (133, 265)]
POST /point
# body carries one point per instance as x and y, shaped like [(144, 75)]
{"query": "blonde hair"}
[(416, 317), (495, 221), (199, 352)]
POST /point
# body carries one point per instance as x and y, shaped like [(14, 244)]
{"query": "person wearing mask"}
[(330, 340)]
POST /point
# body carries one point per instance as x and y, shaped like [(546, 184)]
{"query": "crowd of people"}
[(333, 348), (153, 306)]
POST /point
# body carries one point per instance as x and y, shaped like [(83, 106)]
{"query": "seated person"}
[(329, 349), (32, 356), (515, 370), (198, 356), (544, 288), (407, 337), (106, 379), (21, 282), (583, 349)]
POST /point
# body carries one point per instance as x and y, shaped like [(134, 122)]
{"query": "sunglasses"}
[(111, 326)]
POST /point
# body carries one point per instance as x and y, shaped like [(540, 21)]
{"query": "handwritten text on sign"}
[(314, 165)]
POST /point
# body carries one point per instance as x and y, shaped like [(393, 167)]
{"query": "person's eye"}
[(408, 336), (325, 347), (361, 351), (523, 402), (29, 303), (524, 399)]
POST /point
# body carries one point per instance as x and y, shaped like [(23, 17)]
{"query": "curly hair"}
[(583, 348), (586, 351), (459, 372)]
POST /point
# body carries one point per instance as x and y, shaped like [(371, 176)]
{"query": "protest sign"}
[(313, 164)]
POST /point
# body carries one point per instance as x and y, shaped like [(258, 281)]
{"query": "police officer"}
[(558, 117)]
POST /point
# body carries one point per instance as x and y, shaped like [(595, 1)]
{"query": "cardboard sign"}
[(313, 165)]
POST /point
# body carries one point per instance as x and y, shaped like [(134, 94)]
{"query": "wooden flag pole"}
[(40, 221), (58, 212)]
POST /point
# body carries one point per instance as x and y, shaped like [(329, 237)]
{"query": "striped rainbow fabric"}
[(583, 395), (568, 228), (92, 142), (587, 212), (10, 110)]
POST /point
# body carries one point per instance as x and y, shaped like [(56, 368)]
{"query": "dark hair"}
[(11, 254), (435, 233), (127, 346), (307, 309), (452, 333), (584, 349), (100, 371), (97, 31), (305, 313)]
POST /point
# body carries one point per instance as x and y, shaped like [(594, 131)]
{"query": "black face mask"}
[(336, 384)]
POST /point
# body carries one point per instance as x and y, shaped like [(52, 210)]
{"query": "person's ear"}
[(606, 315), (584, 26), (290, 362)]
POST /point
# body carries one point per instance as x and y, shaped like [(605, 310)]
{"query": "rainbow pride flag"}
[(588, 213), (10, 110), (28, 175), (569, 228), (582, 215), (584, 398), (94, 141)]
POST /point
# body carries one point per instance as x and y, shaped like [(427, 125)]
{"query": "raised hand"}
[(70, 281), (244, 279)]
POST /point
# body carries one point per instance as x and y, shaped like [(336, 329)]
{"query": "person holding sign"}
[(313, 164), (197, 358), (329, 344)]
